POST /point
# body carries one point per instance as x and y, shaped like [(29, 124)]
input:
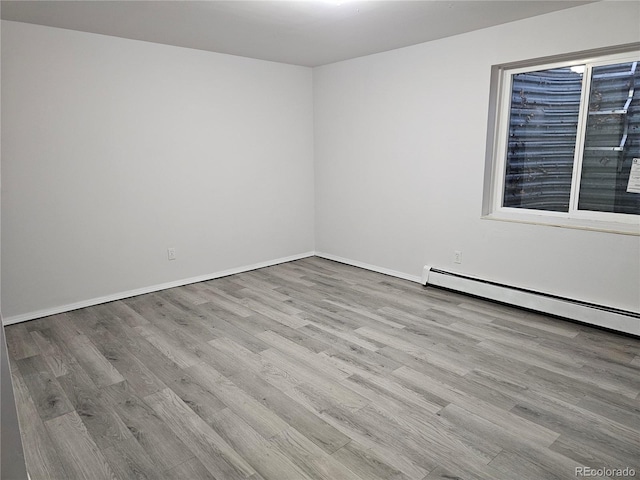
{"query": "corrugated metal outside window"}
[(612, 140), (543, 130)]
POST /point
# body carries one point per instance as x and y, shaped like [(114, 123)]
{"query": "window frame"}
[(498, 140)]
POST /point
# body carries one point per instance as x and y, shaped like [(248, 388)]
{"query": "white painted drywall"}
[(400, 152), (114, 150)]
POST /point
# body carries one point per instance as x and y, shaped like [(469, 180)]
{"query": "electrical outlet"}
[(171, 253), (457, 256)]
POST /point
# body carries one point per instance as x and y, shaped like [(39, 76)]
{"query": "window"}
[(566, 136)]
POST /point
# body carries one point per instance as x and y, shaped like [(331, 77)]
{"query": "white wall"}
[(400, 143), (114, 150)]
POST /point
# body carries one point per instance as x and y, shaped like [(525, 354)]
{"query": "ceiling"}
[(309, 33)]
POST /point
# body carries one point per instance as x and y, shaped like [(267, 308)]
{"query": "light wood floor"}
[(318, 370)]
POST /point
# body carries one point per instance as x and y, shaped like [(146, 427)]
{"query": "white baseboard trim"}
[(141, 291), (367, 266), (602, 316)]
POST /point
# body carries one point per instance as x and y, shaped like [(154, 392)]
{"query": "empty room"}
[(320, 240)]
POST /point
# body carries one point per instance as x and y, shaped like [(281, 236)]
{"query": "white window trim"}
[(498, 143)]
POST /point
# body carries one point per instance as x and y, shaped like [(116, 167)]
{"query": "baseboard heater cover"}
[(602, 316)]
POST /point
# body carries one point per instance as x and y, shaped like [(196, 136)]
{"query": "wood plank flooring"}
[(317, 370)]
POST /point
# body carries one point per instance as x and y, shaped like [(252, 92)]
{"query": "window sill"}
[(631, 228)]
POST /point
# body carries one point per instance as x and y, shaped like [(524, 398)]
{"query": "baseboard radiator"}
[(602, 316)]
